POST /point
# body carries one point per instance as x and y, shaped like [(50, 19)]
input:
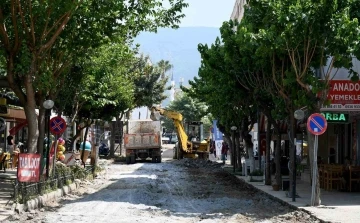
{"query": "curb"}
[(282, 202), (41, 201)]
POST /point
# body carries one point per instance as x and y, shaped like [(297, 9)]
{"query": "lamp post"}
[(298, 115), (48, 105), (233, 129)]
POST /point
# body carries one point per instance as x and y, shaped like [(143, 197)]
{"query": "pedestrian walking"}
[(223, 152), (226, 150)]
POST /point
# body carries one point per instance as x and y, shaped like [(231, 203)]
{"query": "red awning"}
[(17, 127)]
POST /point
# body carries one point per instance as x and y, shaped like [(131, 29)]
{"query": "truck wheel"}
[(153, 159), (128, 161), (158, 159), (132, 159), (175, 153)]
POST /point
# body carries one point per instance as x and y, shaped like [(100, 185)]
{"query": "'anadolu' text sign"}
[(344, 96), (28, 167)]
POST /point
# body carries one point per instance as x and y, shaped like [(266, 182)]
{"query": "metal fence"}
[(24, 191)]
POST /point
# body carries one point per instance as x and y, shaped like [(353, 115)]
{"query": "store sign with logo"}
[(336, 117), (344, 95), (28, 167)]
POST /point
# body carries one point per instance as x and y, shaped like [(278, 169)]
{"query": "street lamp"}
[(298, 115), (233, 129), (48, 105)]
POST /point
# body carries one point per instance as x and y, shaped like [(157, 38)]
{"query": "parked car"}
[(173, 139), (165, 140)]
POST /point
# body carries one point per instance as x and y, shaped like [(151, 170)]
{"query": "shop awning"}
[(17, 127)]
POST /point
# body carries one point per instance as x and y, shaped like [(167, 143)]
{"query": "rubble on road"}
[(198, 163), (184, 190)]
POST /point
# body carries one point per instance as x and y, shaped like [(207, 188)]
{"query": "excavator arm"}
[(177, 119)]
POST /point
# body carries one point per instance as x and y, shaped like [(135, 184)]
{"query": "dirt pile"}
[(198, 163)]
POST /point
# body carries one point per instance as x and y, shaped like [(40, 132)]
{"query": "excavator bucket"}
[(155, 116)]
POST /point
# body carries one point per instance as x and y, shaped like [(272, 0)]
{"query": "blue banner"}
[(217, 134)]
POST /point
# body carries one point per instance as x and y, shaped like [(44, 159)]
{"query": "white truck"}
[(143, 140)]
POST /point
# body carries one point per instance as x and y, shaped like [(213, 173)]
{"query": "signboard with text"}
[(344, 95), (336, 117), (28, 167)]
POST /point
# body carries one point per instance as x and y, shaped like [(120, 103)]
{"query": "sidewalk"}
[(336, 206), (6, 191)]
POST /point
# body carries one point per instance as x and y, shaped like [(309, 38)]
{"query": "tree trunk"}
[(119, 132), (94, 154), (33, 132), (291, 151), (237, 147), (267, 153), (230, 143), (311, 144), (277, 159), (83, 147), (41, 127), (112, 139)]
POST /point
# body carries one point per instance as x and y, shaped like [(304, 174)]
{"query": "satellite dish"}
[(299, 114)]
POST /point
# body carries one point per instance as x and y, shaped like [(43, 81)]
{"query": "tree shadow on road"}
[(172, 189)]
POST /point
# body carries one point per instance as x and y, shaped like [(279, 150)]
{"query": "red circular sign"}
[(317, 124), (57, 125)]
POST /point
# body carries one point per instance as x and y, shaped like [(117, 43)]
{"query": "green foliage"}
[(150, 86), (301, 38), (78, 172), (219, 87), (42, 41)]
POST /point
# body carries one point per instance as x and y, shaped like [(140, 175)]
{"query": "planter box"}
[(255, 178)]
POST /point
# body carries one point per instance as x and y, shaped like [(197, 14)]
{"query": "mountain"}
[(179, 46)]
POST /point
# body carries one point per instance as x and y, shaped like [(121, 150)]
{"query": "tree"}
[(150, 87), (26, 42), (227, 100), (164, 66), (300, 38)]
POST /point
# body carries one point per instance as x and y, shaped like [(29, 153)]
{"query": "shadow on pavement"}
[(180, 191)]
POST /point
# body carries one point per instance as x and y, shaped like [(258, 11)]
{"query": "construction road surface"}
[(171, 191)]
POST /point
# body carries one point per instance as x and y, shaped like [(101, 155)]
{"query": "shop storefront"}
[(336, 143)]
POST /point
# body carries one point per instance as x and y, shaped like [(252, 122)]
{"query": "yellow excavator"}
[(192, 146)]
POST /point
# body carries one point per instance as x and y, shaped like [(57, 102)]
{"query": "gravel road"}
[(172, 191)]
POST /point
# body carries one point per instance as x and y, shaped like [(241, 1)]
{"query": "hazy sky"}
[(209, 13)]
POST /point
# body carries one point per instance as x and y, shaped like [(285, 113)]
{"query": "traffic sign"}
[(317, 124), (57, 125)]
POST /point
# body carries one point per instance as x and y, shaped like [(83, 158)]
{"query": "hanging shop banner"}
[(217, 134), (344, 96), (218, 147), (28, 167)]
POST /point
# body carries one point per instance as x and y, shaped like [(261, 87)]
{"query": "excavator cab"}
[(194, 130)]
